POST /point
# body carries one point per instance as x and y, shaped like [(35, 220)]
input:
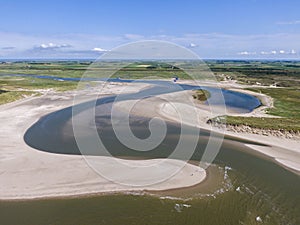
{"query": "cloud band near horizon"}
[(213, 45)]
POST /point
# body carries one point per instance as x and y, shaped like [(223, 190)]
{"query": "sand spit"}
[(285, 151), (26, 173)]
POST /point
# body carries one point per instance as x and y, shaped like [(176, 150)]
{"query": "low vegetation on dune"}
[(286, 109), (10, 96), (280, 124), (286, 101), (260, 73), (201, 95), (15, 88), (283, 79), (286, 106)]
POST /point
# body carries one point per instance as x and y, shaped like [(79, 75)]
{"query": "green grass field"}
[(279, 73), (284, 74), (15, 88), (10, 96), (286, 105), (201, 95), (64, 68), (286, 101), (282, 124), (31, 83)]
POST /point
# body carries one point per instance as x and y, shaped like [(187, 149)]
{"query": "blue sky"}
[(213, 29)]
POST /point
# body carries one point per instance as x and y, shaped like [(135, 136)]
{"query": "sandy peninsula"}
[(27, 173), (284, 151)]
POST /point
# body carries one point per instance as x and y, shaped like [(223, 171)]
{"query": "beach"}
[(27, 173), (284, 151)]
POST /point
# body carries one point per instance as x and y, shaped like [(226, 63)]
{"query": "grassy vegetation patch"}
[(286, 101), (135, 70), (283, 74), (145, 70), (286, 105), (201, 95), (265, 73), (10, 96), (15, 88), (284, 124), (63, 68), (30, 83)]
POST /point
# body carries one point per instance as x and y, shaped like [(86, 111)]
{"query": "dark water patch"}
[(54, 133)]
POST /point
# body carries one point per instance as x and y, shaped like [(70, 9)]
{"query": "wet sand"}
[(26, 173)]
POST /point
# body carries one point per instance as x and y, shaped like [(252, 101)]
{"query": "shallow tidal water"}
[(245, 195), (241, 188)]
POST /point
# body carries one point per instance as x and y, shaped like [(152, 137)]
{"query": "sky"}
[(213, 29)]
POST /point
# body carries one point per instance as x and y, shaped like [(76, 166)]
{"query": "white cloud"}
[(193, 45), (53, 46), (294, 22), (246, 53), (274, 52), (211, 45), (281, 52), (99, 50)]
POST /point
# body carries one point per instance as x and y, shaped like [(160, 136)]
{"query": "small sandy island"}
[(27, 173)]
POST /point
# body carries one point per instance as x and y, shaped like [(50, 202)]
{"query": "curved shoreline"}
[(32, 174), (17, 159), (284, 152)]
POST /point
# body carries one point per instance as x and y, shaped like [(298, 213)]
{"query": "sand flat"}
[(27, 173)]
